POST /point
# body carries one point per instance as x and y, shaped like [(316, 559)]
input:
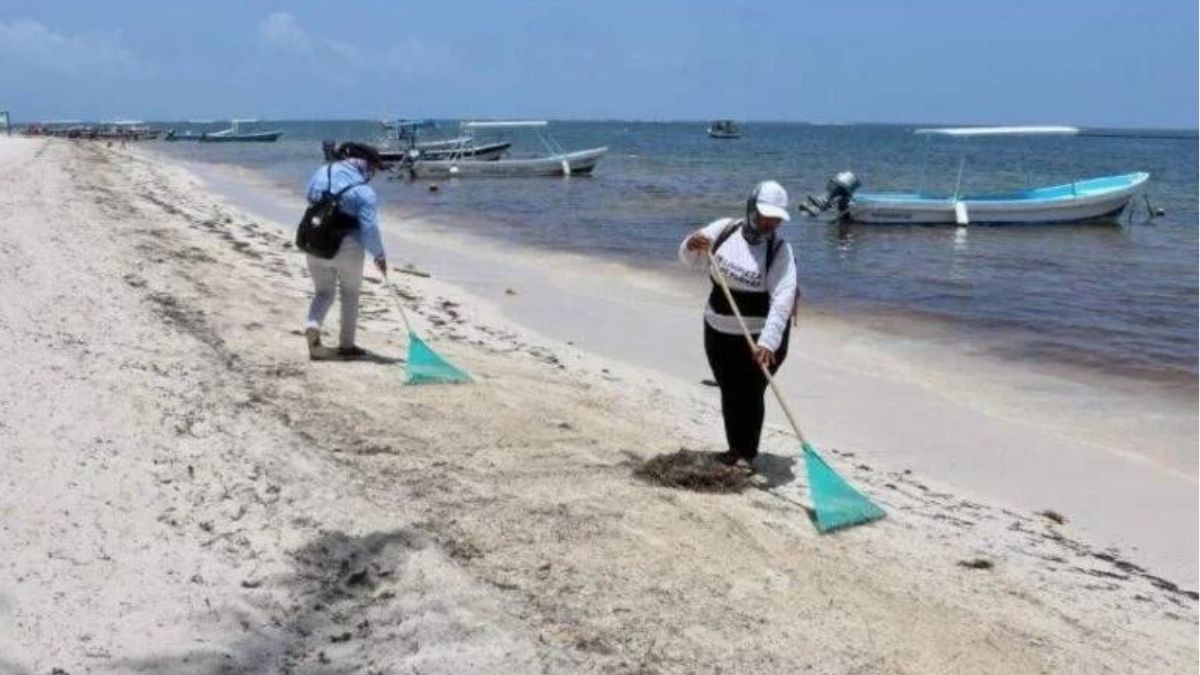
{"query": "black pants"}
[(742, 387)]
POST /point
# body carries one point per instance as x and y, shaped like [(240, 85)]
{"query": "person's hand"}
[(764, 357), (698, 242), (381, 265)]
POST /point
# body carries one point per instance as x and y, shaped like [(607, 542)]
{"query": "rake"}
[(836, 504), (424, 366)]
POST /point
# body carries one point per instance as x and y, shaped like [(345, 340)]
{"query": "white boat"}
[(566, 164), (406, 135), (723, 129), (558, 162), (1086, 200)]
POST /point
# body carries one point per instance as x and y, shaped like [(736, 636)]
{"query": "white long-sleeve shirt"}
[(743, 265)]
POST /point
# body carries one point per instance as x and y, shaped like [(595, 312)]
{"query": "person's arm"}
[(781, 285), (692, 249), (367, 211), (316, 185)]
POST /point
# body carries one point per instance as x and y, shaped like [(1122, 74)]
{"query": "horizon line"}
[(681, 120)]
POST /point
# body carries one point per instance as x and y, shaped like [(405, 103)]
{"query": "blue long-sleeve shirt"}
[(359, 201)]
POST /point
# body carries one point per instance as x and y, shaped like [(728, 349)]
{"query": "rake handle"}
[(395, 293), (787, 411)]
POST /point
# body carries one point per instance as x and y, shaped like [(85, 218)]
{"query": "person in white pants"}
[(342, 275)]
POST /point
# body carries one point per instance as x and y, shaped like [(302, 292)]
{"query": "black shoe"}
[(351, 352), (727, 458)]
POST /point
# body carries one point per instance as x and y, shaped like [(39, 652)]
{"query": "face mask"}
[(750, 233)]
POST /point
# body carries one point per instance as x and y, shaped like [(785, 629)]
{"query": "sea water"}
[(1117, 298)]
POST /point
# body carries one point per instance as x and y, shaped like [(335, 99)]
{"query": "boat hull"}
[(445, 144), (1092, 200), (571, 163), (260, 137), (487, 153)]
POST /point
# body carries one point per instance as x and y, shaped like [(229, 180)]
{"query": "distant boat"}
[(234, 135), (132, 130), (227, 136), (173, 135), (558, 162), (723, 129), (1086, 200), (231, 135)]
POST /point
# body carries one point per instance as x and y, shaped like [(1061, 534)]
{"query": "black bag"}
[(324, 225)]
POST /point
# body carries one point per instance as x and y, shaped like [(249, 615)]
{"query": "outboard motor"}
[(838, 192)]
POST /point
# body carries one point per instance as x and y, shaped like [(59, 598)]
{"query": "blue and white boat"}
[(1086, 200), (234, 134)]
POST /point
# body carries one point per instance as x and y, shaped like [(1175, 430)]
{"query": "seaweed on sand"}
[(692, 470)]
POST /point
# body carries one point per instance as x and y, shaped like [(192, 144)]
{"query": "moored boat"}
[(233, 134), (1092, 199), (557, 161), (1079, 201), (486, 152), (405, 138), (570, 163)]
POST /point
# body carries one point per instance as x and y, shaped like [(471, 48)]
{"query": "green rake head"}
[(836, 504), (425, 366)]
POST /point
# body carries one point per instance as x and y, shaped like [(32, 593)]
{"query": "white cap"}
[(771, 200)]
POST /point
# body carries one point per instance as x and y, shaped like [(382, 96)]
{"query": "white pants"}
[(341, 273)]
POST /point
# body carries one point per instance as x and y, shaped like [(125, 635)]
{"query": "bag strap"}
[(329, 193), (776, 247), (730, 228)]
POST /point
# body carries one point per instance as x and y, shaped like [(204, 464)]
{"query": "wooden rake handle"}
[(394, 291), (720, 276)]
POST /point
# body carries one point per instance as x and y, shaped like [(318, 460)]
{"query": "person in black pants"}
[(761, 272), (743, 387)]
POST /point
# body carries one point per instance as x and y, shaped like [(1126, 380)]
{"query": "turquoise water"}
[(1117, 298)]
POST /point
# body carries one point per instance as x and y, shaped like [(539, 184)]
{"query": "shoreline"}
[(960, 333), (187, 492), (1034, 439)]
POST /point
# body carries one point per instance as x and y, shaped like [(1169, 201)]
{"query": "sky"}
[(1111, 63)]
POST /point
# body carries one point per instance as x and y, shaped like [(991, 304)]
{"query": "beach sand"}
[(184, 492), (1117, 456)]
